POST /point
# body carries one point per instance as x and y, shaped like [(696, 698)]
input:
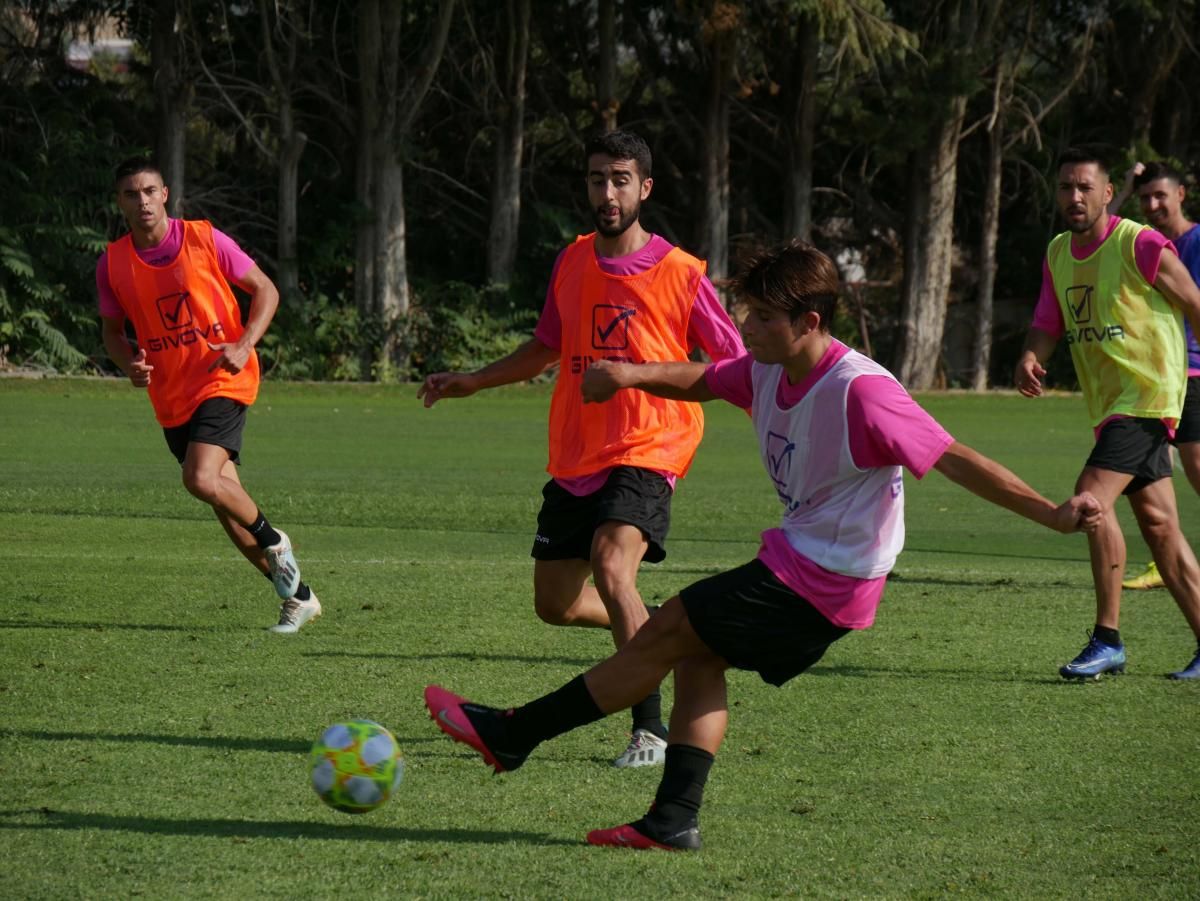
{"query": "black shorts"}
[(218, 420), (754, 622), (1136, 447), (566, 523), (1188, 429)]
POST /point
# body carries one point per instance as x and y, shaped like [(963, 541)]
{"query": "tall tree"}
[(174, 87), (1016, 66), (951, 35), (719, 30), (510, 142), (390, 97)]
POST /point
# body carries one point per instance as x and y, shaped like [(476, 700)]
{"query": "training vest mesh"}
[(1126, 339), (175, 310), (630, 318), (846, 519)]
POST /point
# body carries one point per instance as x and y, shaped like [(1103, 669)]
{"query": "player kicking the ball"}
[(834, 430)]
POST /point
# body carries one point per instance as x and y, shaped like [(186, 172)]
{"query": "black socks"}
[(1111, 637), (560, 711), (674, 817), (263, 533)]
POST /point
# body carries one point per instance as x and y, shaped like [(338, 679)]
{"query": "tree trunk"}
[(928, 250), (606, 67), (370, 49), (714, 238), (510, 142), (800, 131), (172, 99), (987, 251), (391, 263)]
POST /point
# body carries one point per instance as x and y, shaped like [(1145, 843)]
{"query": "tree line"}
[(406, 170)]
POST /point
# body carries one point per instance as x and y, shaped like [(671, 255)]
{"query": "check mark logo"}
[(175, 310), (444, 717), (603, 331), (1080, 311)]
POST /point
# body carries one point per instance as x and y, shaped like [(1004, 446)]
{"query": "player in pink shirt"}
[(835, 430)]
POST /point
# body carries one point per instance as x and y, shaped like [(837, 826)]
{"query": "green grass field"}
[(154, 738)]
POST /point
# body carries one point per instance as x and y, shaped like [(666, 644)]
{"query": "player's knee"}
[(550, 609), (201, 485)]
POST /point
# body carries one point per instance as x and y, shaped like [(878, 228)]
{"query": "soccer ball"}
[(355, 766)]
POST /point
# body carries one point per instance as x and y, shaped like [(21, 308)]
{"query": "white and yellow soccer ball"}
[(355, 766)]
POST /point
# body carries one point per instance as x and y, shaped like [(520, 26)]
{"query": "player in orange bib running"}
[(624, 294), (171, 279)]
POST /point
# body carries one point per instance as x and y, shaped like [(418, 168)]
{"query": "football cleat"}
[(294, 613), (1149, 579), (1191, 671), (1095, 660), (628, 836), (462, 721), (285, 572), (644, 749)]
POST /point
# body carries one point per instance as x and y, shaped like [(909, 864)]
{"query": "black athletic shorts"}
[(218, 420), (566, 523), (1188, 429), (754, 622), (1137, 447)]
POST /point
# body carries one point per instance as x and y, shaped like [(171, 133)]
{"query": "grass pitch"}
[(154, 739)]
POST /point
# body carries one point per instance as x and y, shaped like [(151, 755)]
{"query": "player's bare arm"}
[(994, 482), (1039, 346), (112, 331), (528, 361), (264, 301), (1176, 285), (674, 381)]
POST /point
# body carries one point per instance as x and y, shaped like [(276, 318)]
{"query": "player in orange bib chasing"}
[(624, 294), (170, 279)]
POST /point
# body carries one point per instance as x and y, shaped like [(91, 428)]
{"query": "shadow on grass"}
[(977, 552), (458, 655), (93, 626), (851, 671), (226, 743), (351, 831)]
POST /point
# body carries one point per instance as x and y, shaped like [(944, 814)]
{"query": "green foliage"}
[(318, 340), (456, 327)]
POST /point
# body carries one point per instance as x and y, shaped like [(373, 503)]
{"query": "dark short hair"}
[(793, 277), (621, 145), (1156, 170), (1073, 156), (134, 165)]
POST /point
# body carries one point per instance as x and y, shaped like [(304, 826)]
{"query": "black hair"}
[(793, 277), (1156, 170), (621, 145)]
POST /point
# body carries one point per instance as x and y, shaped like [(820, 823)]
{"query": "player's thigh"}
[(1189, 457), (617, 551)]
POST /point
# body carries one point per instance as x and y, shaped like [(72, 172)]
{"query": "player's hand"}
[(1029, 375), (139, 370), (1134, 171), (601, 381), (1081, 513), (446, 384), (232, 357)]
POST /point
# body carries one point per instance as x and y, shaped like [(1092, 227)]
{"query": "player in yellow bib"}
[(1117, 291)]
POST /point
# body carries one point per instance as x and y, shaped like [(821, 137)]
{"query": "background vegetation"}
[(407, 171), (153, 738)]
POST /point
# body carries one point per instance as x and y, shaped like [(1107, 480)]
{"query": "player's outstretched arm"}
[(993, 482), (528, 361), (1039, 346), (675, 381)]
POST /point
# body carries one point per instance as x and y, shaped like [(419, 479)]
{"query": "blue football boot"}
[(1191, 671), (1095, 660)]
